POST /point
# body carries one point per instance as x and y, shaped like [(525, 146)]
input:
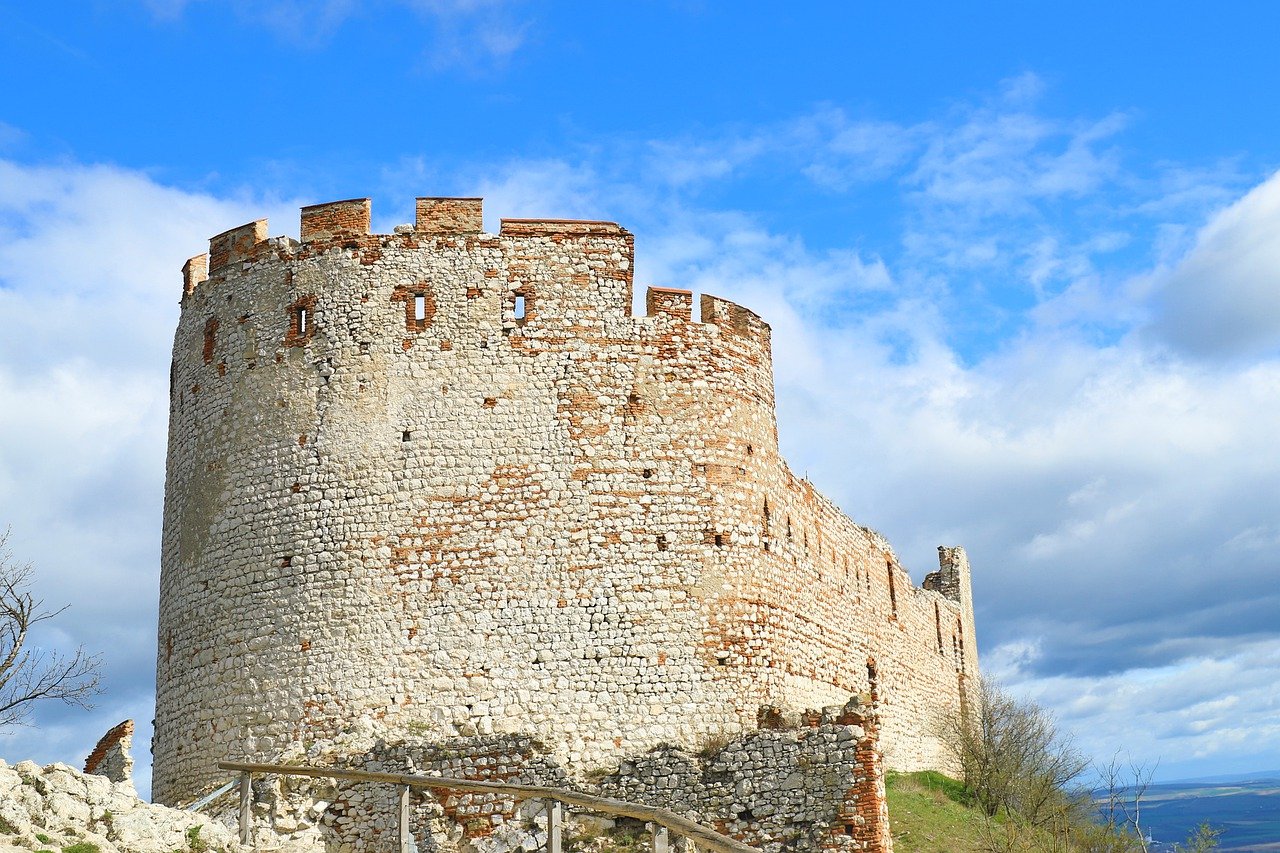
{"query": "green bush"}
[(194, 842)]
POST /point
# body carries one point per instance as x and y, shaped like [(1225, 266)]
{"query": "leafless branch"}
[(29, 675)]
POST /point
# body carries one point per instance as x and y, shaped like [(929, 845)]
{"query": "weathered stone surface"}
[(444, 481), (48, 808), (818, 787)]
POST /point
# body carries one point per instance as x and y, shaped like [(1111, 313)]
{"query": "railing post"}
[(661, 840), (402, 822), (246, 792), (555, 817)]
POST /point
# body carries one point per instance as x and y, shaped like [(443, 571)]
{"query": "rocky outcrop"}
[(56, 807)]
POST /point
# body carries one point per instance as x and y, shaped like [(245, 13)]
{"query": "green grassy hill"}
[(928, 813), (931, 813)]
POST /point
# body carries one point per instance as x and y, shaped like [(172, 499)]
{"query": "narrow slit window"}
[(303, 316), (937, 622), (520, 307), (419, 307), (893, 592)]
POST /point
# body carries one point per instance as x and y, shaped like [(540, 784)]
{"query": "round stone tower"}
[(443, 480)]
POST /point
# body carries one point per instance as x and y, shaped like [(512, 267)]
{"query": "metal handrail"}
[(662, 821), (210, 797)]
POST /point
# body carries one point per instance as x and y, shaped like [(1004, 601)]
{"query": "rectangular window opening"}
[(419, 307), (520, 307), (304, 320)]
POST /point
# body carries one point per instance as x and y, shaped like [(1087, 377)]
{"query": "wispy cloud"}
[(468, 35)]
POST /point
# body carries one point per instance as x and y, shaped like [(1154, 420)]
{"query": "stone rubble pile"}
[(57, 807)]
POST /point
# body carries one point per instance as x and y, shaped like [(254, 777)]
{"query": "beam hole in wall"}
[(404, 436), (648, 472), (719, 540), (750, 450), (662, 542)]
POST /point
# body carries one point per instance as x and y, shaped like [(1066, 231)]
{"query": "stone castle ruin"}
[(443, 483)]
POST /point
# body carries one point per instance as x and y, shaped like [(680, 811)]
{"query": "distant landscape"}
[(1247, 812)]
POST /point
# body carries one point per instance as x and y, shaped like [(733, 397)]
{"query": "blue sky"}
[(1022, 261)]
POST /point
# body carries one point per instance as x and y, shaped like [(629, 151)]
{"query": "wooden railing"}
[(662, 822)]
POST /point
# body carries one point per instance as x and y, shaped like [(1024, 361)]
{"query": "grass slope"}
[(928, 813)]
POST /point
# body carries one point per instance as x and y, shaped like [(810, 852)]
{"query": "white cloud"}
[(543, 189), (1222, 298), (1201, 715)]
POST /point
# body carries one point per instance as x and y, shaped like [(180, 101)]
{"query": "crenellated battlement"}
[(551, 267), (336, 220), (560, 228), (449, 215), (235, 245)]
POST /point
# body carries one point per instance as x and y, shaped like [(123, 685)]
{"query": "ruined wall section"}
[(828, 610), (443, 480)]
